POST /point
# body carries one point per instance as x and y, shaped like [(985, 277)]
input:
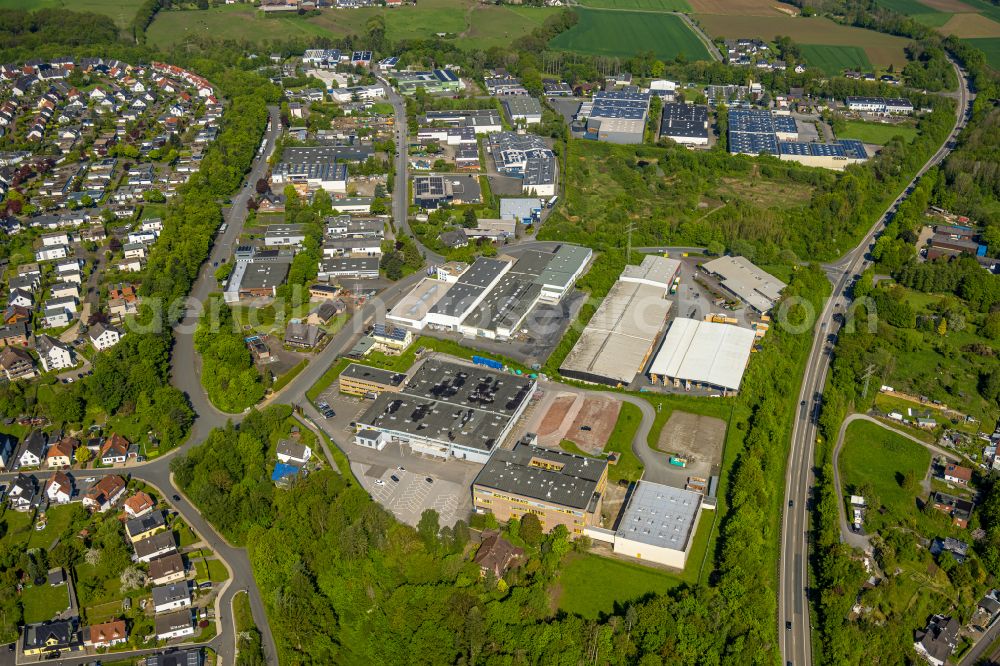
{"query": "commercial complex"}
[(433, 82), (560, 488), (359, 379), (658, 524), (617, 116), (522, 109), (311, 168), (482, 121), (880, 105), (703, 354), (620, 337), (837, 155), (757, 288), (756, 132), (451, 410), (526, 156)]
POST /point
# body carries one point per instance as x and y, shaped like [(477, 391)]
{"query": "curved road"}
[(795, 632)]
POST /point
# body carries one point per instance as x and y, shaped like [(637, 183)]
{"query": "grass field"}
[(475, 25), (43, 602), (122, 11), (991, 47), (873, 455), (591, 585), (627, 33), (835, 59), (648, 5), (882, 50), (629, 466), (970, 26), (743, 7), (876, 132)]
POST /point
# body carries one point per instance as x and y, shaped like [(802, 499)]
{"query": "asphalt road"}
[(793, 607)]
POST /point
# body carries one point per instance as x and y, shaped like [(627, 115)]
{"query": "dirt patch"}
[(697, 438), (971, 26), (598, 414), (550, 427)]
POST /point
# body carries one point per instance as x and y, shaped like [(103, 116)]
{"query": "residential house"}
[(47, 638), (139, 504), (115, 450), (60, 454), (16, 314), (959, 509), (958, 549), (166, 569), (20, 297), (23, 493), (293, 452), (59, 488), (103, 336), (171, 597), (54, 354), (174, 625), (496, 554), (104, 494), (146, 526), (957, 474), (298, 334), (16, 364), (155, 546), (107, 634), (937, 641), (15, 334), (323, 313), (33, 449), (176, 657)]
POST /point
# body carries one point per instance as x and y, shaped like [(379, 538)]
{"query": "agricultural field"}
[(474, 25), (971, 26), (743, 7), (624, 33), (877, 133), (835, 59), (881, 50), (647, 5), (122, 11), (991, 47)]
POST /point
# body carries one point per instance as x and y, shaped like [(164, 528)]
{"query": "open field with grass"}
[(882, 50), (648, 5), (991, 47), (971, 26), (43, 602), (921, 12), (835, 59), (474, 25), (620, 33), (876, 132), (122, 11)]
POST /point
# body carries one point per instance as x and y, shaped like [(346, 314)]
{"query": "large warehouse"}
[(451, 410), (658, 524), (654, 271), (616, 344), (703, 354), (756, 287)]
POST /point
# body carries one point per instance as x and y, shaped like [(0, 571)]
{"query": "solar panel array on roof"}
[(751, 120), (752, 143), (854, 148), (620, 104), (785, 124)]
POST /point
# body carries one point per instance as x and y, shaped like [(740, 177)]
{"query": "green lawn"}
[(43, 602), (122, 11), (877, 133), (327, 379), (242, 612), (591, 585), (835, 59), (619, 33), (185, 535), (58, 520), (873, 455), (629, 466)]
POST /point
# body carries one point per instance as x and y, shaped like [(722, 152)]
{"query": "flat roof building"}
[(703, 353), (560, 488), (262, 279), (357, 379), (658, 524), (654, 271), (685, 123), (620, 337), (312, 167), (451, 410), (754, 286), (523, 109)]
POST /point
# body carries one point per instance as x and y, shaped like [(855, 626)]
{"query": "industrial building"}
[(755, 287), (686, 124), (617, 116), (451, 410), (837, 155), (756, 131), (434, 190), (526, 156), (279, 235), (444, 305), (310, 168), (620, 337), (880, 105), (522, 109), (482, 121), (703, 354), (357, 379), (658, 524), (437, 81), (560, 488), (255, 279)]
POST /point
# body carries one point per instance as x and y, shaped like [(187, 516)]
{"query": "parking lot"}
[(449, 491)]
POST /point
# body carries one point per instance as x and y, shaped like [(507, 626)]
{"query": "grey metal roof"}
[(659, 515), (566, 479), (376, 375), (166, 594)]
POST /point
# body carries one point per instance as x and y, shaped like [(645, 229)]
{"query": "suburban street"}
[(795, 630)]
